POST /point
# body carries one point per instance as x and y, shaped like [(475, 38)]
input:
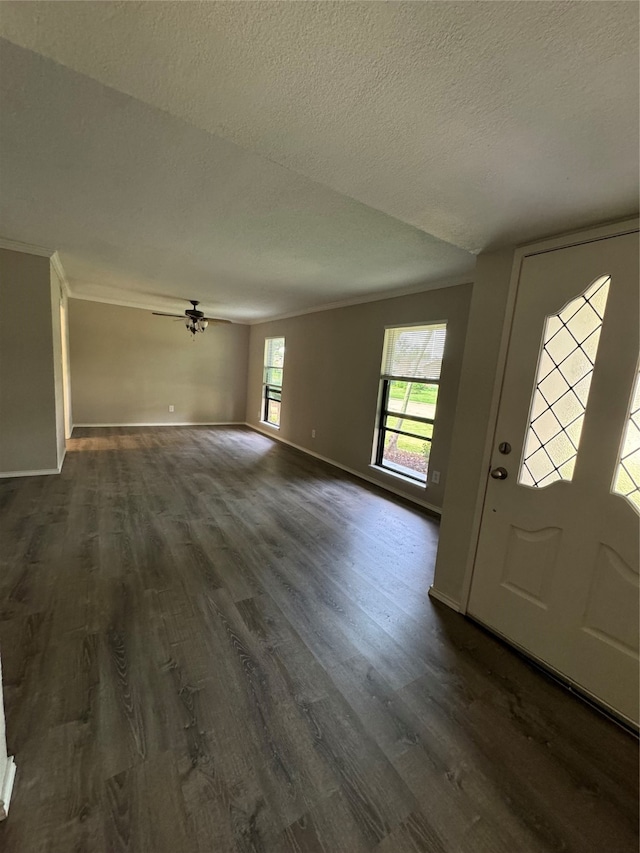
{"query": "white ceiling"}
[(142, 205), (272, 157)]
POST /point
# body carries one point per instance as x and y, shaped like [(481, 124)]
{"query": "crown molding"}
[(26, 248), (56, 263), (370, 297), (152, 305), (121, 302), (42, 252)]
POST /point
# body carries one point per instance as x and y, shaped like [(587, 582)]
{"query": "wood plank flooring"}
[(214, 644)]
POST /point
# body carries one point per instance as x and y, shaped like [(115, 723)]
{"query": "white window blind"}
[(274, 352), (414, 352)]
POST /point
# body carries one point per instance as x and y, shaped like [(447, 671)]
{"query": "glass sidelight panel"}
[(627, 478), (569, 348)]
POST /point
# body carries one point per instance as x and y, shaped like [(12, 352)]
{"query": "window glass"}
[(272, 380), (411, 366), (569, 347), (414, 398), (419, 428), (627, 477), (406, 456)]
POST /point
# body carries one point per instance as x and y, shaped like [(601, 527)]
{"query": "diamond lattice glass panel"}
[(627, 478), (569, 347)]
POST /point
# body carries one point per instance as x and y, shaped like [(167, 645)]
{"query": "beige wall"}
[(27, 376), (332, 377), (474, 422), (128, 367)]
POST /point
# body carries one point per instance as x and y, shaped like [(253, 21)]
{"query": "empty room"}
[(319, 426)]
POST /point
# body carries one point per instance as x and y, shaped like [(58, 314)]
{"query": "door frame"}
[(574, 238)]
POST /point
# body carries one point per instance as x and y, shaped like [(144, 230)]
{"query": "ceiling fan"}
[(194, 320)]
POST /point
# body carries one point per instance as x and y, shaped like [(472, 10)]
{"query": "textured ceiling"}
[(139, 203), (482, 124)]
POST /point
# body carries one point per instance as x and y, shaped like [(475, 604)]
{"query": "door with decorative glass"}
[(556, 569)]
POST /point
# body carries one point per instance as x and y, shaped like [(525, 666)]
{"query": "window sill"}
[(398, 475)]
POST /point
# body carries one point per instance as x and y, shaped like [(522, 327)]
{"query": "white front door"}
[(7, 765), (556, 571)]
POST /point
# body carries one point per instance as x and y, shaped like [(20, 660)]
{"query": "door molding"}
[(550, 244)]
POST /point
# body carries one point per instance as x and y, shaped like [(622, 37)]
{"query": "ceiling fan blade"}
[(162, 314), (216, 320)]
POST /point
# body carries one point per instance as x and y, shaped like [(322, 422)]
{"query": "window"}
[(627, 477), (272, 387), (411, 364), (565, 366)]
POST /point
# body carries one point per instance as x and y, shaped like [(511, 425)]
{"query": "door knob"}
[(499, 473)]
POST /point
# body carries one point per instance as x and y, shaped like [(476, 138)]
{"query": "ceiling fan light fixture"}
[(194, 320), (195, 325)]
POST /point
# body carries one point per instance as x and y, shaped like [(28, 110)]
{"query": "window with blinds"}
[(409, 383), (414, 352), (272, 382)]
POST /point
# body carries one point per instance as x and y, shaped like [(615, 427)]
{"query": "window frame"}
[(269, 389), (384, 412), (383, 429), (267, 398)]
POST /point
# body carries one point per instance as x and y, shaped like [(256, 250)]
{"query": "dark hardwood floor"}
[(212, 643)]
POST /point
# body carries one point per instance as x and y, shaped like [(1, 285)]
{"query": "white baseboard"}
[(163, 424), (444, 599), (5, 475), (7, 786), (359, 474)]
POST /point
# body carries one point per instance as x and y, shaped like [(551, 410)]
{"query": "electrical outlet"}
[(435, 477), (313, 433), (172, 408)]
